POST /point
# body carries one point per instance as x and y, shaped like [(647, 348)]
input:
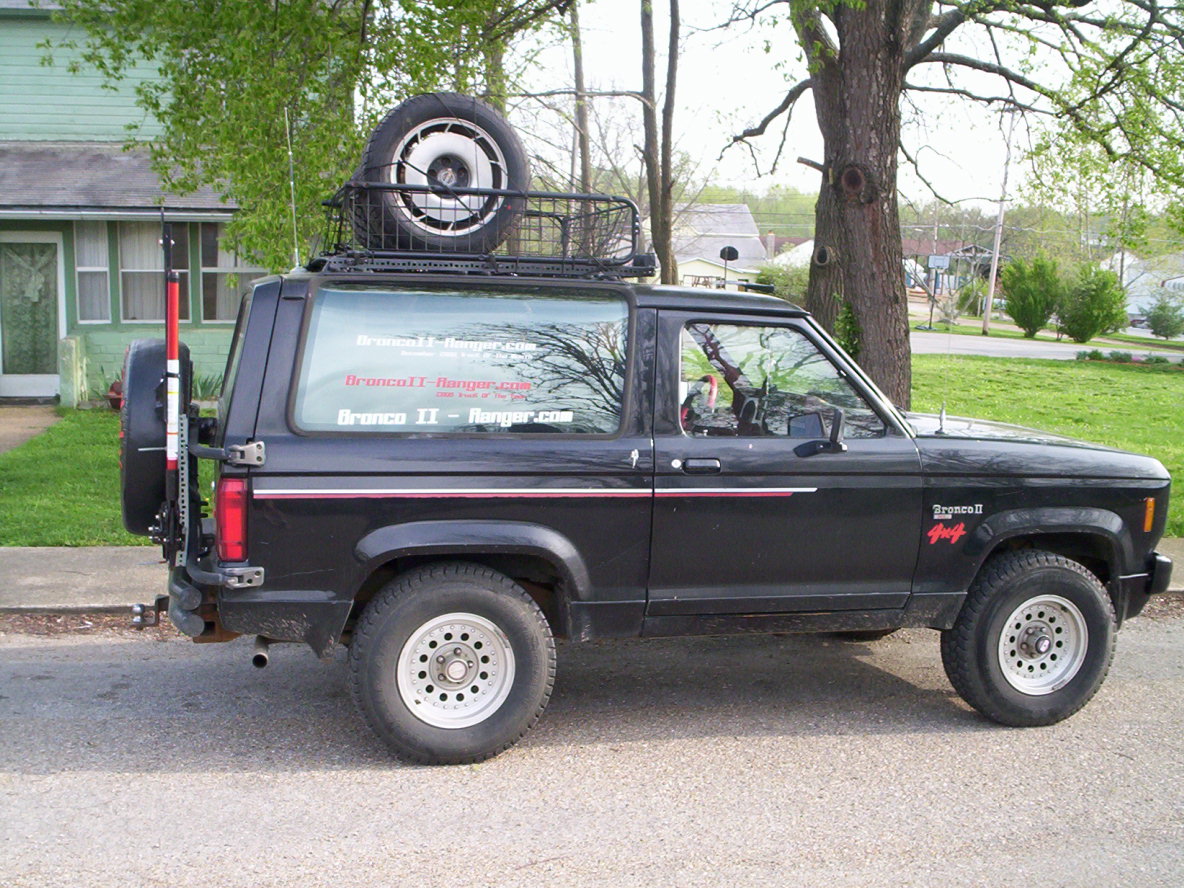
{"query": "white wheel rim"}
[(448, 152), (1042, 645), (455, 670)]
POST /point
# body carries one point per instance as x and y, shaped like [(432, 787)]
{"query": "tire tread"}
[(409, 583), (958, 643)]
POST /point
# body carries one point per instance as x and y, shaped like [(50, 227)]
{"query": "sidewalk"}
[(110, 579), (95, 579)]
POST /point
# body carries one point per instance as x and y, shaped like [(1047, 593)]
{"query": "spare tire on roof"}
[(142, 431), (441, 142)]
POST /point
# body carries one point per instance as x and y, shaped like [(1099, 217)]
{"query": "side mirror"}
[(834, 444)]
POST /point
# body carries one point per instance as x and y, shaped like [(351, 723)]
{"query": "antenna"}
[(292, 189)]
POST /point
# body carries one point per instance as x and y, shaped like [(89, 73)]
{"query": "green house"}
[(80, 226)]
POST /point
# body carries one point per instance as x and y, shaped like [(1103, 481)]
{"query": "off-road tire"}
[(389, 221), (391, 623), (974, 659), (142, 430)]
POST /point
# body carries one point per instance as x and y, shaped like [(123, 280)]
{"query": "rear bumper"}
[(191, 587)]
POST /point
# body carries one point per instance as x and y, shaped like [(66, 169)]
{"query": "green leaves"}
[(228, 70), (1031, 290), (1165, 317), (1093, 303)]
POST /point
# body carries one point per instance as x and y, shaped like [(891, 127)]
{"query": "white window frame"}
[(180, 268), (106, 269)]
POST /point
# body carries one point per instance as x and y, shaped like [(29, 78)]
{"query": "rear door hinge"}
[(253, 453)]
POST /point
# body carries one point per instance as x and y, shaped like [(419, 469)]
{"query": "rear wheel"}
[(1033, 641), (452, 663)]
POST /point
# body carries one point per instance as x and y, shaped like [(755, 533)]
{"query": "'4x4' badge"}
[(951, 532)]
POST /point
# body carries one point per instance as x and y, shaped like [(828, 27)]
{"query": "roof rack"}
[(376, 226)]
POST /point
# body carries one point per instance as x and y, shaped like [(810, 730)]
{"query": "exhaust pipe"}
[(260, 658)]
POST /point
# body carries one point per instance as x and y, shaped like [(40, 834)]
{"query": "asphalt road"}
[(938, 343), (714, 762)]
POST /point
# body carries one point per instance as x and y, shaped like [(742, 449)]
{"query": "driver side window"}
[(751, 381)]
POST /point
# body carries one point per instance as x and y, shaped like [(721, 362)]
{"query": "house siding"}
[(52, 102)]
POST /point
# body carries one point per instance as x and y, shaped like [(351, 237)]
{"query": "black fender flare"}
[(1102, 523), (456, 538)]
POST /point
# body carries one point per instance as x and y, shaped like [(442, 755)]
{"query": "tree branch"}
[(986, 100), (944, 26), (588, 93), (786, 104)]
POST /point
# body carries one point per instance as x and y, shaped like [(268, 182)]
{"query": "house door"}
[(32, 279)]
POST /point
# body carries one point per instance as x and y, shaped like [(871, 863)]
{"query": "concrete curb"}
[(110, 579), (49, 610)]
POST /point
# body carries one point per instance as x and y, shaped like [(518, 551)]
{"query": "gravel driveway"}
[(715, 762)]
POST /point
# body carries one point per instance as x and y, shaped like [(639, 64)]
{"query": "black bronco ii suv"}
[(444, 454)]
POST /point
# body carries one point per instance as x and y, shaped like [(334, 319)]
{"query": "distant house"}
[(1144, 279), (963, 262), (702, 231), (80, 261)]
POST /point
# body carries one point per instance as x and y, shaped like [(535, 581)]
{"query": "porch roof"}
[(86, 179)]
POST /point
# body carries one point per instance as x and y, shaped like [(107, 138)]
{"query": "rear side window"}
[(471, 361)]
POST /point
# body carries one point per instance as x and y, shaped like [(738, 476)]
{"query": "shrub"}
[(1155, 359), (1031, 291), (789, 284), (970, 296), (207, 387), (1165, 318), (1094, 303), (1120, 357)]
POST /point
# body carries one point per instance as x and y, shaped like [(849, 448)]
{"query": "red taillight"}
[(230, 514)]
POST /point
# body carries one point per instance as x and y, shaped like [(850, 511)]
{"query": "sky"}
[(727, 81)]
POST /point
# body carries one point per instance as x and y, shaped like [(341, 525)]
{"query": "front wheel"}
[(1033, 641), (452, 663)]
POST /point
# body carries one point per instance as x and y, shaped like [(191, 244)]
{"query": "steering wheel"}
[(705, 387)]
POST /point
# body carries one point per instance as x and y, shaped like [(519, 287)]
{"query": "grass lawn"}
[(62, 488), (1131, 406)]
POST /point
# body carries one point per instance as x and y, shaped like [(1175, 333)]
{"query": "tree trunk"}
[(657, 176), (858, 258), (583, 139), (494, 58), (669, 262)]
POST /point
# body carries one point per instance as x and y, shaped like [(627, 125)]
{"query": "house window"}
[(141, 262), (224, 276), (90, 261)]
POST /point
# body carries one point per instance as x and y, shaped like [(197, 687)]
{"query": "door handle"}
[(702, 466)]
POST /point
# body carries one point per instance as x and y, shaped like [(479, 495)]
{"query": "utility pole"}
[(998, 232)]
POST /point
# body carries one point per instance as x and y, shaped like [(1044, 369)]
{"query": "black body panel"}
[(890, 533)]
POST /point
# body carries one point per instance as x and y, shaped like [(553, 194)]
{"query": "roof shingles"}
[(88, 176)]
